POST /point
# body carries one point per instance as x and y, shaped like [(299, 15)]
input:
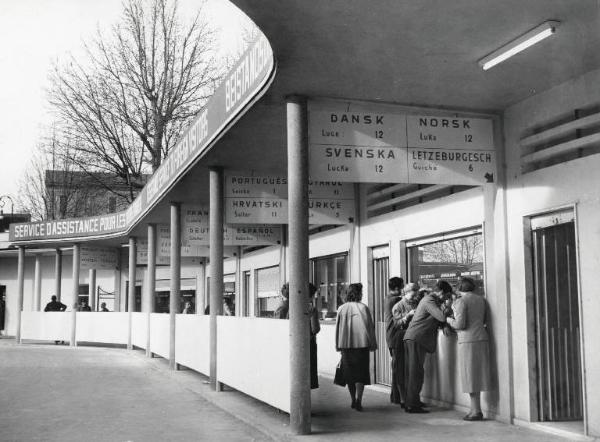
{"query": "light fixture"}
[(519, 44)]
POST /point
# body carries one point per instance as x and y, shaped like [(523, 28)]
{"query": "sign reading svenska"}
[(366, 142), (263, 200), (355, 144)]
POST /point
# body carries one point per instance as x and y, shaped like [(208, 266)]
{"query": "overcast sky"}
[(34, 33)]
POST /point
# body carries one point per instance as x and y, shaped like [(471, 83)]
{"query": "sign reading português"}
[(361, 142), (255, 199), (99, 258), (263, 200), (450, 150)]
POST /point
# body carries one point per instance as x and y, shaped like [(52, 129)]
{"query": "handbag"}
[(338, 379)]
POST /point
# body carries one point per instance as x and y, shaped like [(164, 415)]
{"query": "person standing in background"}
[(354, 338), (402, 313), (469, 321), (315, 327), (421, 338), (393, 337)]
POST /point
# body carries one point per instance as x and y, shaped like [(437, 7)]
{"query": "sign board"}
[(142, 254), (99, 258), (195, 230), (360, 142), (263, 200), (446, 150), (356, 145)]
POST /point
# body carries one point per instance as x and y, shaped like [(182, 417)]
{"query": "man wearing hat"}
[(421, 338)]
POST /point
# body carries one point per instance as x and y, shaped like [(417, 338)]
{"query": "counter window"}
[(447, 257), (330, 275), (268, 293)]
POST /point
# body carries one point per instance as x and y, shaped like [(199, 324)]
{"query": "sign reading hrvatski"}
[(368, 142), (263, 200)]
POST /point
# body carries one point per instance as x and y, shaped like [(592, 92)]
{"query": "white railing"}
[(327, 357), (139, 329), (253, 356), (192, 342), (102, 327), (159, 334), (46, 326)]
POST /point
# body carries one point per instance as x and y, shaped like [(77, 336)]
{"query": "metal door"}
[(557, 320), (383, 370)]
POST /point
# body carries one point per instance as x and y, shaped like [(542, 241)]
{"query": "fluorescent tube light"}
[(519, 44)]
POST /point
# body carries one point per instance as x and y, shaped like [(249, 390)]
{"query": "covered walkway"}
[(60, 393)]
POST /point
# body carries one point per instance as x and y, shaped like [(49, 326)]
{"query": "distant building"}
[(78, 194)]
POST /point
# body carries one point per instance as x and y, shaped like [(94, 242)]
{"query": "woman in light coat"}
[(469, 321), (354, 338)]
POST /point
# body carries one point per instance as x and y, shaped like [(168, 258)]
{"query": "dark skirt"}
[(355, 366), (314, 377)]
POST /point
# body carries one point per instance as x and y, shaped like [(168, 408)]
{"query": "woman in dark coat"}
[(354, 338), (473, 350)]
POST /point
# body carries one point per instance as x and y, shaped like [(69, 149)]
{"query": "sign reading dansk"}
[(376, 143)]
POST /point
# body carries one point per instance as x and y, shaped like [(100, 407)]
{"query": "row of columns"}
[(297, 151)]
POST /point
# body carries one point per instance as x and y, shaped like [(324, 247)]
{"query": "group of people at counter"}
[(413, 317)]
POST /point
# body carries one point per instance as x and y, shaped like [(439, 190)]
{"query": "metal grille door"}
[(557, 323), (383, 370)]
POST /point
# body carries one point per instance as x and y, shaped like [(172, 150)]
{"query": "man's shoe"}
[(473, 417), (358, 407), (416, 410), (423, 404), (403, 405)]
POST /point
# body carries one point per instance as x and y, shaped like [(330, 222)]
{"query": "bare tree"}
[(50, 187), (126, 105), (466, 250)]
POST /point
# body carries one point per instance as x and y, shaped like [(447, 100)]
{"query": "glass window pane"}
[(447, 259), (330, 275)]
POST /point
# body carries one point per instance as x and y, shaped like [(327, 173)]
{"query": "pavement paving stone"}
[(96, 394)]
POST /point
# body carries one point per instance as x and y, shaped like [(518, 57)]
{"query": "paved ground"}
[(52, 392), (56, 393)]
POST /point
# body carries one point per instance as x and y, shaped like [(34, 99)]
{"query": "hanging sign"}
[(99, 258), (142, 254), (362, 142), (357, 145), (448, 150), (263, 200), (196, 230)]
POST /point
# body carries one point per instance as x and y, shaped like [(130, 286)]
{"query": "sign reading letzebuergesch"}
[(361, 142)]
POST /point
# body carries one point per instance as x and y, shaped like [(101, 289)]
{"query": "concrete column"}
[(131, 294), (151, 281), (297, 149), (216, 264), (92, 290), (37, 284), (76, 267), (175, 278), (58, 274), (20, 290)]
